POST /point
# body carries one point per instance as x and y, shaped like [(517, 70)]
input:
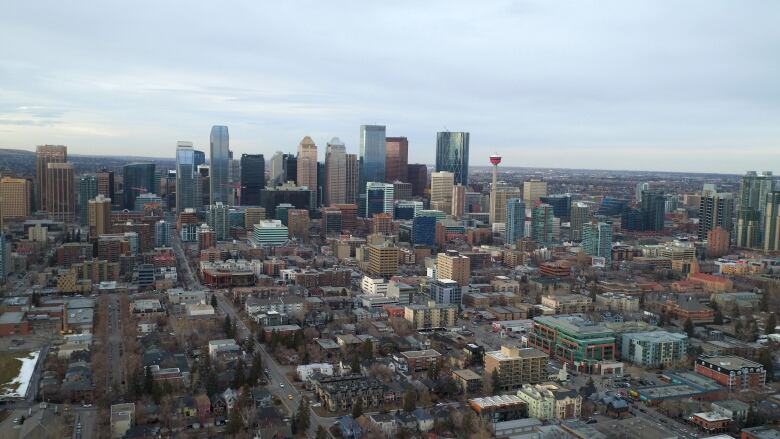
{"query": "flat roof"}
[(711, 416), (668, 391), (496, 401), (467, 374), (633, 427), (11, 318), (729, 362), (423, 353)]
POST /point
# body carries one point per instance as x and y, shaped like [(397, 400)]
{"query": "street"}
[(115, 374)]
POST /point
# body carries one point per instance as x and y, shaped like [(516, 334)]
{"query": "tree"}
[(495, 381), (234, 424), (771, 322), (765, 358), (227, 326), (688, 327), (738, 328), (357, 408), (214, 301), (433, 372), (302, 417), (367, 350), (355, 364), (238, 381), (255, 372), (718, 318), (250, 345), (410, 400), (321, 433)]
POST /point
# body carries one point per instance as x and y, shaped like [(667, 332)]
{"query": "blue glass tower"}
[(515, 220), (452, 155), (373, 151)]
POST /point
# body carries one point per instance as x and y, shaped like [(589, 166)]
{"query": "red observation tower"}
[(495, 159)]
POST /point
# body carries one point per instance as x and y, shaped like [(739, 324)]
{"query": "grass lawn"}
[(9, 367)]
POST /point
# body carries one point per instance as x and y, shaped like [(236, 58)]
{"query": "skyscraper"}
[(14, 198), (772, 222), (99, 216), (105, 184), (138, 179), (397, 159), (307, 164), (715, 209), (752, 203), (185, 176), (352, 178), (379, 198), (373, 151), (452, 155), (252, 178), (219, 184), (441, 191), (199, 157), (534, 190), (45, 154), (454, 266), (60, 203), (561, 204), (542, 224), (458, 200), (87, 191), (290, 168), (580, 215), (515, 220), (498, 202), (276, 176), (335, 173), (418, 177), (640, 187), (217, 219), (652, 210), (597, 239)]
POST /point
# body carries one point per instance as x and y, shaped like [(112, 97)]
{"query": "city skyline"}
[(613, 90)]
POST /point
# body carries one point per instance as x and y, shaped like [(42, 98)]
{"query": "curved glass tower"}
[(452, 155)]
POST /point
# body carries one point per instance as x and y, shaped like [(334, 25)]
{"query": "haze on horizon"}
[(684, 86)]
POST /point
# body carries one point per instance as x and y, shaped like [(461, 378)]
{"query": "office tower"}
[(335, 172), (219, 162), (534, 190), (331, 221), (348, 215), (424, 231), (290, 168), (752, 203), (352, 177), (148, 203), (473, 203), (307, 164), (597, 239), (397, 159), (640, 187), (162, 234), (276, 176), (252, 178), (495, 160), (373, 152), (14, 198), (382, 223), (379, 198), (772, 222), (580, 215), (270, 233), (446, 291), (498, 202), (452, 265), (99, 216), (298, 224), (458, 200), (383, 259), (234, 180), (611, 206), (168, 189), (217, 219), (186, 173), (515, 220), (561, 204), (718, 242), (418, 177), (45, 154), (441, 190), (252, 216), (199, 158), (403, 191), (715, 209), (138, 179), (298, 197), (202, 186), (652, 210), (405, 209), (452, 155), (282, 211), (60, 203), (105, 184), (542, 224), (87, 191)]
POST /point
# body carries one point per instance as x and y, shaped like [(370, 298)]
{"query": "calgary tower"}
[(495, 159)]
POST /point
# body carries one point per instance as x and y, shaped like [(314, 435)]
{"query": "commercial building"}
[(418, 177), (498, 202), (446, 291), (186, 175), (654, 348), (652, 210), (335, 173), (219, 164), (45, 154), (383, 259), (217, 219), (597, 240), (379, 198), (15, 195), (534, 190), (515, 220), (547, 402), (352, 176), (60, 202), (499, 408), (581, 213), (252, 178), (286, 193), (424, 231), (441, 190), (568, 303), (307, 164), (573, 340), (452, 155), (270, 233), (432, 315), (542, 221), (516, 366), (138, 179), (397, 159), (373, 153), (561, 204), (732, 372), (458, 200), (452, 265)]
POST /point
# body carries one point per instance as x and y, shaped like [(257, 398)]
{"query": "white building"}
[(305, 371), (371, 285)]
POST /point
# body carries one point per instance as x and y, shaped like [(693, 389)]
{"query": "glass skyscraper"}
[(252, 178), (87, 191), (373, 151), (452, 155), (219, 186), (379, 198), (139, 178), (185, 176), (515, 220)]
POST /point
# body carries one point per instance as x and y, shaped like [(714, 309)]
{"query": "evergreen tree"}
[(738, 328), (235, 424), (255, 372), (250, 345), (302, 417), (214, 301), (433, 372), (321, 433), (410, 400), (227, 326), (367, 350), (688, 327), (718, 318), (355, 364), (238, 381), (357, 408), (765, 358), (495, 381), (148, 381), (771, 322)]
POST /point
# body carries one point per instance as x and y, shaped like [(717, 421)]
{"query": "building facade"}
[(452, 155)]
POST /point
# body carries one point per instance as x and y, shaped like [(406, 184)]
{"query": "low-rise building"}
[(516, 366), (468, 380), (548, 401), (654, 348), (573, 340), (568, 303), (421, 361), (733, 372), (617, 302), (339, 393), (499, 408), (711, 422), (222, 347), (431, 316), (306, 371)]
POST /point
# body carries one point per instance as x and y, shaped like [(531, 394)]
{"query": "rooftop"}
[(729, 362), (11, 318), (711, 416), (496, 401), (421, 354)]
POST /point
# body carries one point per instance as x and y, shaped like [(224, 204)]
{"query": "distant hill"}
[(22, 163)]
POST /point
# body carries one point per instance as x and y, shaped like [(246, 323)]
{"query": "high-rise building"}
[(352, 178), (716, 209), (298, 224), (752, 202), (3, 258), (99, 216), (772, 222), (561, 204), (718, 242), (270, 233), (60, 203), (45, 154), (418, 177), (542, 224), (138, 179), (397, 159), (581, 213), (383, 259), (441, 190), (515, 220), (534, 190), (597, 239), (162, 234), (373, 151), (219, 164), (252, 216), (446, 291), (217, 219), (331, 221), (403, 191), (452, 155), (516, 366), (185, 176), (640, 187), (307, 164), (87, 191), (424, 230), (458, 200), (452, 265), (498, 202), (290, 168), (106, 185), (276, 175), (200, 158), (298, 197), (652, 210), (382, 223), (14, 198), (234, 180), (252, 178), (335, 172), (379, 198), (348, 215)]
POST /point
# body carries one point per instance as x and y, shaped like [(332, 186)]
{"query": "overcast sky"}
[(666, 85)]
